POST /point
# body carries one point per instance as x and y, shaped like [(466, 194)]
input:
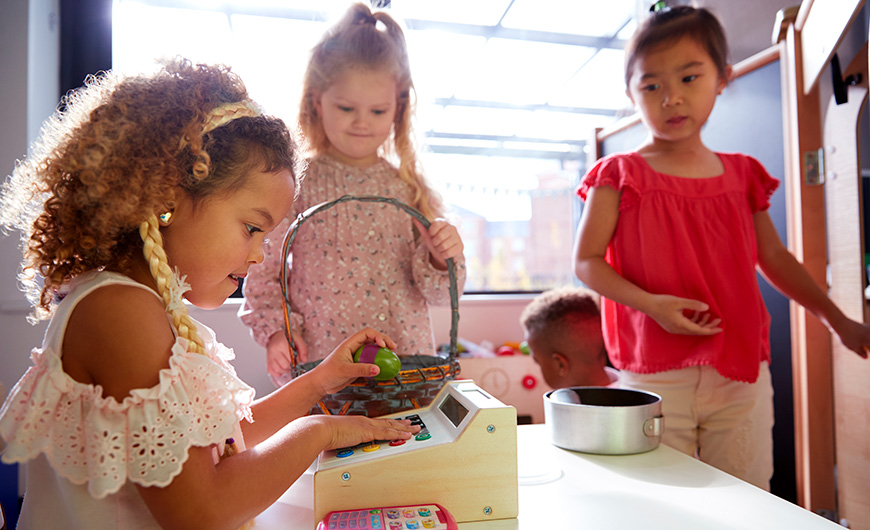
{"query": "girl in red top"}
[(671, 236)]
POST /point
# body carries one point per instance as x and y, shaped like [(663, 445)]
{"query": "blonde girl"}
[(671, 236), (143, 192), (356, 265)]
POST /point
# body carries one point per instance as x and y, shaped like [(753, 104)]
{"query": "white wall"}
[(29, 38)]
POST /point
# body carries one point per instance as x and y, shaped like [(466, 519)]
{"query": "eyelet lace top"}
[(95, 440)]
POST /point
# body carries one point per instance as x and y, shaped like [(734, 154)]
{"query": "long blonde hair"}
[(356, 41)]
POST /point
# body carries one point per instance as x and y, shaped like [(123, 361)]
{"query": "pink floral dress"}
[(354, 265)]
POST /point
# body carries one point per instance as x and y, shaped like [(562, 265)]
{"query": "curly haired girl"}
[(143, 191)]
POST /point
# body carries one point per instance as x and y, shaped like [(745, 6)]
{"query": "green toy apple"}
[(386, 360)]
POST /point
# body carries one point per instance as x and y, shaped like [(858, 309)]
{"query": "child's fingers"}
[(701, 324), (444, 234), (701, 318), (424, 232), (394, 429), (451, 249), (692, 305), (281, 364), (352, 430), (706, 320), (274, 368), (441, 238), (684, 316), (301, 347), (440, 231), (706, 330), (367, 335), (381, 339), (856, 337), (365, 370)]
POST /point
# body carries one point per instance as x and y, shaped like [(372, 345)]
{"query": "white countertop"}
[(662, 489)]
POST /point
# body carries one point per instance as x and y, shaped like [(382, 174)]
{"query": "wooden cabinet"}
[(832, 384)]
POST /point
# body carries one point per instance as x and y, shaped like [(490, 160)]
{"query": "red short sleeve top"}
[(693, 238)]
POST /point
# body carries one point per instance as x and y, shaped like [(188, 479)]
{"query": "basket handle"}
[(307, 214)]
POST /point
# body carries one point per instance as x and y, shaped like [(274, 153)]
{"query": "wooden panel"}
[(822, 24), (845, 243), (811, 342)]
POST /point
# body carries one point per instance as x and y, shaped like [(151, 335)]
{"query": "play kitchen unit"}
[(490, 474), (464, 458)]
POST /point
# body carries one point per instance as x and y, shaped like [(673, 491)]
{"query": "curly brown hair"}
[(117, 155), (357, 42)]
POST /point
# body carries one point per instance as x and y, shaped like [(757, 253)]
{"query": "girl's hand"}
[(443, 241), (668, 311), (278, 355), (338, 370), (855, 336), (347, 431)]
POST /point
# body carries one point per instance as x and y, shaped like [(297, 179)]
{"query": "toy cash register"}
[(464, 458)]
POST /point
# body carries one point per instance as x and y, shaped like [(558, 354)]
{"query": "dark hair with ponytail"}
[(667, 26)]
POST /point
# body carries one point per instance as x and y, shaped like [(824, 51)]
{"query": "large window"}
[(508, 92)]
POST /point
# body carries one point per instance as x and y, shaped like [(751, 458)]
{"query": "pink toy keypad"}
[(418, 517)]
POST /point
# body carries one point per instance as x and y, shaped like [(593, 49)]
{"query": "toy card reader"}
[(464, 458), (415, 517)]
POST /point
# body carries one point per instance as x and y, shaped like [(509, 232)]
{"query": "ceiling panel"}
[(598, 84), (522, 73), (440, 61), (533, 69), (577, 17), (480, 12)]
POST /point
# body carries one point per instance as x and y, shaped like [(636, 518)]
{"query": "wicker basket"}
[(421, 376)]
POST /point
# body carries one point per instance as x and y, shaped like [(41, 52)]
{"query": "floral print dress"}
[(356, 264)]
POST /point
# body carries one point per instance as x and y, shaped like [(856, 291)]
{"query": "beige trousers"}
[(725, 423)]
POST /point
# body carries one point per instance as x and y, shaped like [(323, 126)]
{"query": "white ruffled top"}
[(98, 443)]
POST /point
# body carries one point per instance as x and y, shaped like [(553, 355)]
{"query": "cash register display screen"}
[(454, 410)]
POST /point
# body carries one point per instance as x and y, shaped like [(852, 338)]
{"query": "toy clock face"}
[(386, 360)]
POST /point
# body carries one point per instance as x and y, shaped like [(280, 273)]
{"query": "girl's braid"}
[(169, 289), (167, 285), (167, 282)]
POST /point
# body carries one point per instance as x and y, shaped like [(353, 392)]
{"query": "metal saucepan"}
[(608, 421)]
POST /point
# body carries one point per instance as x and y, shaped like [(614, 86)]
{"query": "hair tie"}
[(223, 114), (660, 6)]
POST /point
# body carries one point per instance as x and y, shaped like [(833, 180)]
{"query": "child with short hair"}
[(145, 191), (357, 264), (563, 330), (671, 236)]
